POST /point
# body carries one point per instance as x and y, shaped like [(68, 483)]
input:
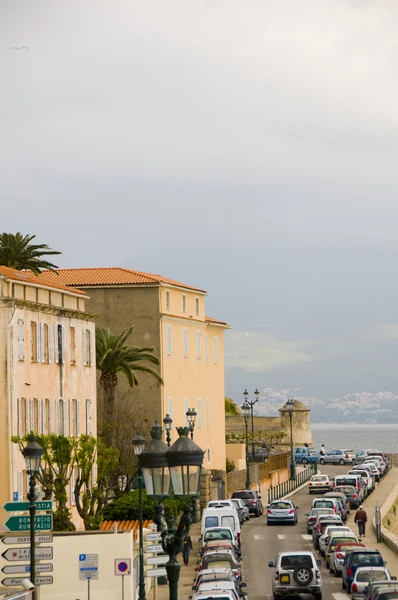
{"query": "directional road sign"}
[(46, 580), (42, 523), (88, 566), (153, 537), (156, 572), (25, 539), (21, 506), (154, 548), (41, 553), (161, 559), (122, 566), (40, 568)]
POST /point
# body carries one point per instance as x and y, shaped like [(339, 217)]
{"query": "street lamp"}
[(251, 403), (191, 418), (138, 444), (290, 408), (245, 410), (168, 422), (32, 453)]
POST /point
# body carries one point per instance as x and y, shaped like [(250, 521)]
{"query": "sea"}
[(355, 436)]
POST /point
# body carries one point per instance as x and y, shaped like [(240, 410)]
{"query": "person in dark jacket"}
[(187, 547), (361, 518)]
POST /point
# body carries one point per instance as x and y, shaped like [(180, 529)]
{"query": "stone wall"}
[(301, 426)]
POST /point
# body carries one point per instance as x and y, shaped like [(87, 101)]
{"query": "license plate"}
[(285, 578)]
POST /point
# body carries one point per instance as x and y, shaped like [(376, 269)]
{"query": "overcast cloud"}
[(249, 148)]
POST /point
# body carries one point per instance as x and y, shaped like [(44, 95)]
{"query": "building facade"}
[(47, 369), (169, 316)]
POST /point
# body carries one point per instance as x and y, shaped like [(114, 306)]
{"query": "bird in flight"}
[(18, 48)]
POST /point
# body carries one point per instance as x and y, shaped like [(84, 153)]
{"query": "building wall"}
[(301, 426)]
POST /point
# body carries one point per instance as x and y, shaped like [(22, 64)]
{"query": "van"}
[(221, 517)]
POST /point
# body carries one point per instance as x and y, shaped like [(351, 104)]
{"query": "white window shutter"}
[(19, 416), (32, 414), (20, 340), (38, 404), (63, 344), (26, 415), (57, 421), (77, 417), (43, 416), (56, 349), (64, 416), (20, 485), (38, 346), (42, 342), (84, 347), (50, 416), (70, 402), (49, 343), (92, 360)]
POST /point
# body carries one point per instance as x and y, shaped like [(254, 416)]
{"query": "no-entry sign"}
[(122, 566)]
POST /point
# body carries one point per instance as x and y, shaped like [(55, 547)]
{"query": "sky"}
[(248, 148)]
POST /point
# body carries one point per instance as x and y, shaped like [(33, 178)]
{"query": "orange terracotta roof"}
[(28, 277), (125, 525), (111, 276), (216, 321)]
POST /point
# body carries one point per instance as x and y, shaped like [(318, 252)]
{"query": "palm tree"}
[(113, 356), (17, 252)]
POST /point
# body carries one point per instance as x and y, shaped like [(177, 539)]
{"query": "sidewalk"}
[(378, 498), (187, 574)]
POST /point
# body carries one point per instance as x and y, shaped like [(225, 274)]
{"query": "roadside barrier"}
[(282, 489)]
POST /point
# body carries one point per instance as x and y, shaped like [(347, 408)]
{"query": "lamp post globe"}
[(168, 423), (245, 410), (32, 454), (191, 419), (154, 465)]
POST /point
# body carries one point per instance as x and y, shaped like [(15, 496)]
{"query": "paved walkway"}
[(379, 496)]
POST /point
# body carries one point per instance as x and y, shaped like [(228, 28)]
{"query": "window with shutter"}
[(88, 417), (215, 350), (20, 416), (38, 413), (169, 345), (42, 344), (50, 415), (207, 347), (77, 417), (38, 343), (197, 307), (185, 342), (72, 487), (199, 412), (63, 344), (57, 418), (21, 354), (198, 345), (91, 341), (48, 343), (208, 412), (44, 416), (72, 335), (20, 485), (184, 304), (70, 402), (84, 340), (56, 345), (63, 406), (170, 406), (186, 406), (33, 341), (26, 424), (32, 414)]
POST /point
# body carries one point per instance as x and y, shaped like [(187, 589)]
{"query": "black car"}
[(252, 501)]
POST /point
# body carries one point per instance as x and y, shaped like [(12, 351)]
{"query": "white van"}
[(221, 517)]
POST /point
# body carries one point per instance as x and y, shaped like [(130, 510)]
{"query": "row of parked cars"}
[(219, 568), (304, 455)]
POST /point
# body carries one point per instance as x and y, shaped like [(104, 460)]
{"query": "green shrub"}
[(230, 466), (388, 522), (125, 508)]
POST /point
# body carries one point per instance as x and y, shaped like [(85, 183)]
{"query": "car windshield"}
[(281, 505), (369, 559), (221, 534), (339, 540), (346, 489), (292, 561), (321, 511), (319, 478), (323, 504), (372, 576), (245, 494), (211, 558), (211, 521)]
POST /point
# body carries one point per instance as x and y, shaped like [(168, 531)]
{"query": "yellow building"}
[(171, 317), (47, 368)]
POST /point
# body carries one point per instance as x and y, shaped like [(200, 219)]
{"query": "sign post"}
[(88, 569), (122, 568)]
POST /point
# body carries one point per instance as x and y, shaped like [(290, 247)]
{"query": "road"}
[(261, 543)]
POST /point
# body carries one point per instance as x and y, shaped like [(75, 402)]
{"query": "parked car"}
[(326, 503), (374, 469), (337, 538), (314, 514), (336, 457), (351, 494), (260, 455), (216, 575), (340, 496), (296, 573), (220, 559), (363, 576), (252, 500), (371, 591), (214, 534), (319, 483), (304, 455), (381, 466), (223, 516), (351, 454), (337, 558), (325, 537), (218, 545), (282, 511), (365, 557), (218, 595), (209, 587), (242, 509), (320, 526), (365, 475)]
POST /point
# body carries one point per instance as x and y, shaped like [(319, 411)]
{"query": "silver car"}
[(336, 457), (282, 511), (296, 573), (241, 508)]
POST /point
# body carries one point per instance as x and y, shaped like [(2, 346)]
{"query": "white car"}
[(365, 475), (362, 577), (319, 483), (296, 573), (324, 539), (218, 586), (217, 595)]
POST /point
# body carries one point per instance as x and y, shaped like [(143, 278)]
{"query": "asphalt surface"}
[(261, 543)]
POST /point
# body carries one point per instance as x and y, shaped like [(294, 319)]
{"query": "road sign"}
[(154, 548), (47, 580), (22, 506), (156, 572), (41, 553), (42, 523), (153, 537), (122, 566), (25, 539), (161, 559), (40, 568), (15, 496), (88, 566)]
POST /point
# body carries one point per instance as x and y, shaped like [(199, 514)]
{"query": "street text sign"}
[(41, 553), (88, 566), (40, 568), (42, 523), (47, 580), (156, 572), (153, 537), (122, 566), (21, 506), (161, 559), (154, 548), (25, 539)]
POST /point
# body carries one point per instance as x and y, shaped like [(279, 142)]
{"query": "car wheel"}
[(342, 461), (277, 596), (302, 575), (322, 461), (336, 573), (318, 596), (268, 523), (343, 584), (305, 461)]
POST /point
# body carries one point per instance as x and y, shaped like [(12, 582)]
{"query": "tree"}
[(17, 252), (262, 439), (114, 356), (231, 408)]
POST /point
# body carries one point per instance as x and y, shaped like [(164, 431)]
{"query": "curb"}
[(298, 489), (388, 538)]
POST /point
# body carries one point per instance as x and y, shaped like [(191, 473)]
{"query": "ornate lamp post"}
[(32, 454), (245, 410), (139, 443), (191, 418), (290, 408), (251, 403), (168, 422)]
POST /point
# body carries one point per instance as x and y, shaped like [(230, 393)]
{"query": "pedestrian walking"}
[(187, 547), (323, 450), (360, 519)]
